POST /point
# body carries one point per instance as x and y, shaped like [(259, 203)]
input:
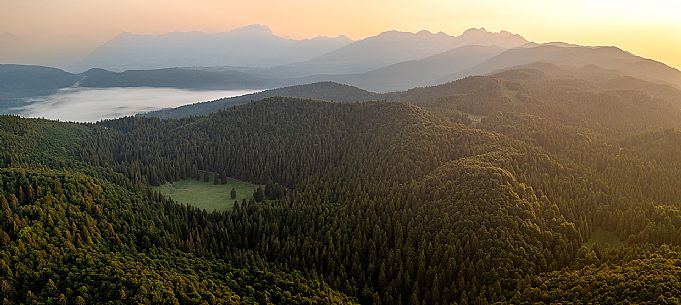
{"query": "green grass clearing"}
[(604, 238), (207, 195)]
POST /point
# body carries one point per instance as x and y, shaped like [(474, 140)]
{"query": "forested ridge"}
[(485, 190), (76, 234)]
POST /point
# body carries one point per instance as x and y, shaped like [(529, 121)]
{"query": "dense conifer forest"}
[(481, 191)]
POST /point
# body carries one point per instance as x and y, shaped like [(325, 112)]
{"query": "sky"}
[(57, 31)]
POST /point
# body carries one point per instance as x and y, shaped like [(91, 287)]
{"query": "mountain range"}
[(413, 73), (393, 47), (533, 77), (606, 57), (249, 46), (388, 62)]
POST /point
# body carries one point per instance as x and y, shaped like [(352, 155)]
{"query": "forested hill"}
[(328, 91), (385, 199), (502, 189), (398, 204), (73, 233)]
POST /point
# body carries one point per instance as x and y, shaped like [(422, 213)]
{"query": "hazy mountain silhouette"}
[(430, 60), (414, 73), (249, 46), (393, 47), (605, 57), (18, 81), (185, 78), (479, 91), (478, 60)]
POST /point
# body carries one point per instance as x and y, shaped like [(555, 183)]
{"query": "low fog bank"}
[(91, 105)]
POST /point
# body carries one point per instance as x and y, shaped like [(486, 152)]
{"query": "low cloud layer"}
[(91, 105)]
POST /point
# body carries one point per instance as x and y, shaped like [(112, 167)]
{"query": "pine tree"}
[(258, 195)]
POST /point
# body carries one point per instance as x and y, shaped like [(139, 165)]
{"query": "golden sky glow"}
[(648, 28)]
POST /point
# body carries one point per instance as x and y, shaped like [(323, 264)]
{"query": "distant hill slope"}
[(327, 91), (414, 73), (471, 60), (393, 47), (187, 78), (606, 57), (22, 80), (590, 76), (249, 46), (18, 82)]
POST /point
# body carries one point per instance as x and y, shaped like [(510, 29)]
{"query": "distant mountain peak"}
[(253, 29), (339, 37), (396, 33), (252, 46), (485, 37), (484, 32), (391, 33), (125, 34), (560, 44), (475, 31)]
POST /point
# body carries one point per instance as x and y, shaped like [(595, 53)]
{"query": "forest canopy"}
[(484, 190)]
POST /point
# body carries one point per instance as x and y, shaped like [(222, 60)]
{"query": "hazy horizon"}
[(32, 32)]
